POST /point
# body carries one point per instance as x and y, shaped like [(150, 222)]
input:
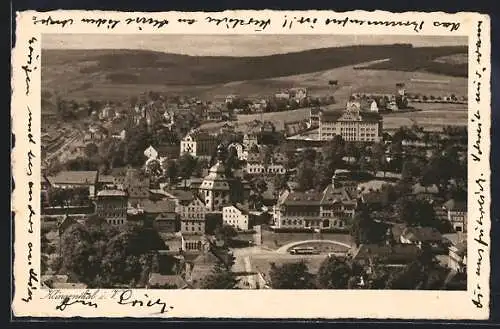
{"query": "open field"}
[(432, 117), (118, 74)]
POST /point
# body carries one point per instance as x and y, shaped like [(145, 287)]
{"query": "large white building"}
[(237, 216), (215, 188), (352, 125)]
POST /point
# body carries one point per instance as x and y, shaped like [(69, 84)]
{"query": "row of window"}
[(107, 214), (116, 221)]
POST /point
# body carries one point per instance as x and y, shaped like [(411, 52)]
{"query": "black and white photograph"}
[(254, 162)]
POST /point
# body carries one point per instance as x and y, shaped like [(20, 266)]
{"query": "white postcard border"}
[(29, 300)]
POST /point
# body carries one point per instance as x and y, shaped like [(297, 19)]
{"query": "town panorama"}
[(332, 168)]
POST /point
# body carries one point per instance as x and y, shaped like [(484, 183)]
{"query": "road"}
[(252, 279)]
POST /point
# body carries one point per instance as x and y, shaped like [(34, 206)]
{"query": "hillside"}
[(117, 74)]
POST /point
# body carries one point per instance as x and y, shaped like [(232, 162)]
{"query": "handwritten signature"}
[(68, 302), (125, 297)]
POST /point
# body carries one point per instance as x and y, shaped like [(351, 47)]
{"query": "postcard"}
[(251, 165)]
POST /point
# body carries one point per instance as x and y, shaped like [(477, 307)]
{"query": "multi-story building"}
[(457, 215), (111, 205), (254, 168), (215, 188), (329, 209), (75, 179), (352, 125), (314, 114), (191, 210), (162, 215), (198, 144), (237, 216), (250, 140)]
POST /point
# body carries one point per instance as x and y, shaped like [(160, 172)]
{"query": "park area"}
[(274, 240)]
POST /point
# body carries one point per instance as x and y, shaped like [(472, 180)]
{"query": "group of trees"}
[(365, 230), (59, 197), (103, 256), (315, 169), (344, 273)]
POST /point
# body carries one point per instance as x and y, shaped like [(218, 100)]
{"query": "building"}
[(249, 140), (368, 254), (237, 216), (239, 150), (214, 114), (457, 252), (95, 134), (314, 115), (298, 94), (75, 179), (421, 236), (457, 214), (135, 184), (198, 144), (330, 209), (257, 168), (111, 205), (215, 188), (191, 210), (353, 125), (162, 215)]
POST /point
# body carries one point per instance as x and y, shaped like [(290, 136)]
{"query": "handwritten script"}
[(257, 24), (30, 66), (479, 188)]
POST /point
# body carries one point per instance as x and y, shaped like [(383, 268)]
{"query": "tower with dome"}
[(215, 188)]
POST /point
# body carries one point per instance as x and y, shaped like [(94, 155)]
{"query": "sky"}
[(233, 45)]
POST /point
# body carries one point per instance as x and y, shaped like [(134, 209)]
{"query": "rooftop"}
[(111, 193), (453, 204), (74, 177), (424, 234), (163, 206)]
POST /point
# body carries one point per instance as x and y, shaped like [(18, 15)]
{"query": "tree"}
[(305, 175), (171, 170), (91, 149), (186, 164), (291, 276), (154, 168), (100, 255), (365, 230), (226, 232), (334, 273), (378, 159), (220, 278), (416, 212)]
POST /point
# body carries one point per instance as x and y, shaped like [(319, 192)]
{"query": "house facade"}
[(198, 144), (457, 215), (111, 205), (237, 216), (75, 179), (162, 215), (330, 209), (352, 125)]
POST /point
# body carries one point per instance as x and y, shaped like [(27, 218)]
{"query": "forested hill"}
[(153, 68)]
